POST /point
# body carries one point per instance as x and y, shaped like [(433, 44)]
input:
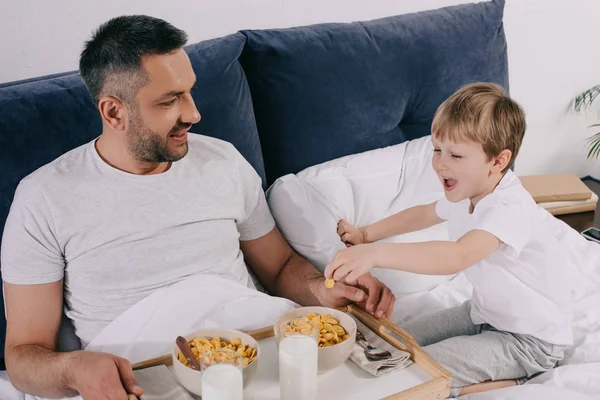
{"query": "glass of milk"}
[(298, 351), (221, 375)]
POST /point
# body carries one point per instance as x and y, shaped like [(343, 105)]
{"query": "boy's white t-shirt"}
[(523, 286)]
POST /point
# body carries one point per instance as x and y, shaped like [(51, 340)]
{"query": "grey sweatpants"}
[(479, 353)]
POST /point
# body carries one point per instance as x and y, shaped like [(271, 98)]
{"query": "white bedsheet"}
[(149, 328), (216, 302)]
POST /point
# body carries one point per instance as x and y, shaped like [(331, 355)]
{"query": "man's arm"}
[(430, 258), (285, 274), (33, 315)]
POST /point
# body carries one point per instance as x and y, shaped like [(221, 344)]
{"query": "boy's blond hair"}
[(482, 113)]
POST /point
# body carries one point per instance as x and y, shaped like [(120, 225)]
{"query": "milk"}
[(298, 368), (222, 382)]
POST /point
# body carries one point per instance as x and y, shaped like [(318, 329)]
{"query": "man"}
[(142, 207)]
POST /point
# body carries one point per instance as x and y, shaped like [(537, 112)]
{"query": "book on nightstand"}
[(560, 193), (570, 207)]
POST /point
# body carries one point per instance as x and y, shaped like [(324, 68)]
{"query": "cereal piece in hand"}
[(329, 283)]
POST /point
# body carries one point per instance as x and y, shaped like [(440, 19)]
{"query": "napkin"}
[(160, 384), (399, 359)]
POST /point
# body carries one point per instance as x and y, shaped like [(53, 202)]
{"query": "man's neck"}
[(113, 151)]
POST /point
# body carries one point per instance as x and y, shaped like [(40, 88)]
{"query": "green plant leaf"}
[(584, 99), (594, 146), (581, 102)]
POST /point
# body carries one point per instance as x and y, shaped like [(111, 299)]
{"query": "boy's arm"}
[(439, 257), (409, 220), (430, 258)]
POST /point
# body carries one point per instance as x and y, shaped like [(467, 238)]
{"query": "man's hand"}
[(284, 273), (380, 300), (33, 319), (351, 263), (367, 292), (101, 376), (349, 234)]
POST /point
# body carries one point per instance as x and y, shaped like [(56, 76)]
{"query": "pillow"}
[(307, 210), (362, 188)]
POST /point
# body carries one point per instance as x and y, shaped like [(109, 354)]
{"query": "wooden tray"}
[(438, 387)]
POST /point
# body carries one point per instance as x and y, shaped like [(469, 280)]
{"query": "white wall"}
[(552, 48)]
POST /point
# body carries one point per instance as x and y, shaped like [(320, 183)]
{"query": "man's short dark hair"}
[(111, 61)]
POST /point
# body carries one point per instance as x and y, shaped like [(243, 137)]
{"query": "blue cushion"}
[(45, 117), (40, 120), (330, 90), (223, 97)]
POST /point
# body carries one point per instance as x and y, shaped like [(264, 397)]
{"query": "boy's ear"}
[(501, 161)]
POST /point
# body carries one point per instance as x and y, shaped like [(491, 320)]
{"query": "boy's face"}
[(463, 169)]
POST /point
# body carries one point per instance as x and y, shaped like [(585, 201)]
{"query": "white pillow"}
[(362, 188), (307, 211)]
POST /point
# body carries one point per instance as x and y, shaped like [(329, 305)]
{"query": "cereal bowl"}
[(331, 356), (192, 379)]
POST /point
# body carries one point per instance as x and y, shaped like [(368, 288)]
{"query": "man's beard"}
[(145, 145)]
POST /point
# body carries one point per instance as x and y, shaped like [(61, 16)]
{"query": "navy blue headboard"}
[(326, 91)]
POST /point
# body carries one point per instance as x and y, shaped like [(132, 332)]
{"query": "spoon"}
[(372, 353), (186, 350)]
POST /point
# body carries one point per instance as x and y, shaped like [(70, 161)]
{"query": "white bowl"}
[(331, 356), (192, 379)]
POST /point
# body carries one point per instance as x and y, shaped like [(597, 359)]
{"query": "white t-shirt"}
[(523, 286), (117, 237)]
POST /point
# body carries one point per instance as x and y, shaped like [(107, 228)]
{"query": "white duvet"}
[(149, 328)]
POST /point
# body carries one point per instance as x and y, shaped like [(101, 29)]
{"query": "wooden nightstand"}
[(582, 221)]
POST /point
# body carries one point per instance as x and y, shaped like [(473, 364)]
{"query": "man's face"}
[(163, 110)]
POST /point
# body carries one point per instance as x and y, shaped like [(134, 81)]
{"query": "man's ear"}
[(501, 161), (113, 112)]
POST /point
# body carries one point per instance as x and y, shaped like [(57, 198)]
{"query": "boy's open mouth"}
[(449, 183)]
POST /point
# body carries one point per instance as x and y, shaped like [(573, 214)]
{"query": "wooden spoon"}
[(186, 350)]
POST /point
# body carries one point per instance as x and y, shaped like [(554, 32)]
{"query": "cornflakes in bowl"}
[(337, 333), (210, 339), (202, 344)]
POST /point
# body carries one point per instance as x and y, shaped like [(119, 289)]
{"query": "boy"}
[(518, 321)]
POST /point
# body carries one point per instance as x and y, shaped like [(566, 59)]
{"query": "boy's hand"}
[(349, 234), (351, 263)]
